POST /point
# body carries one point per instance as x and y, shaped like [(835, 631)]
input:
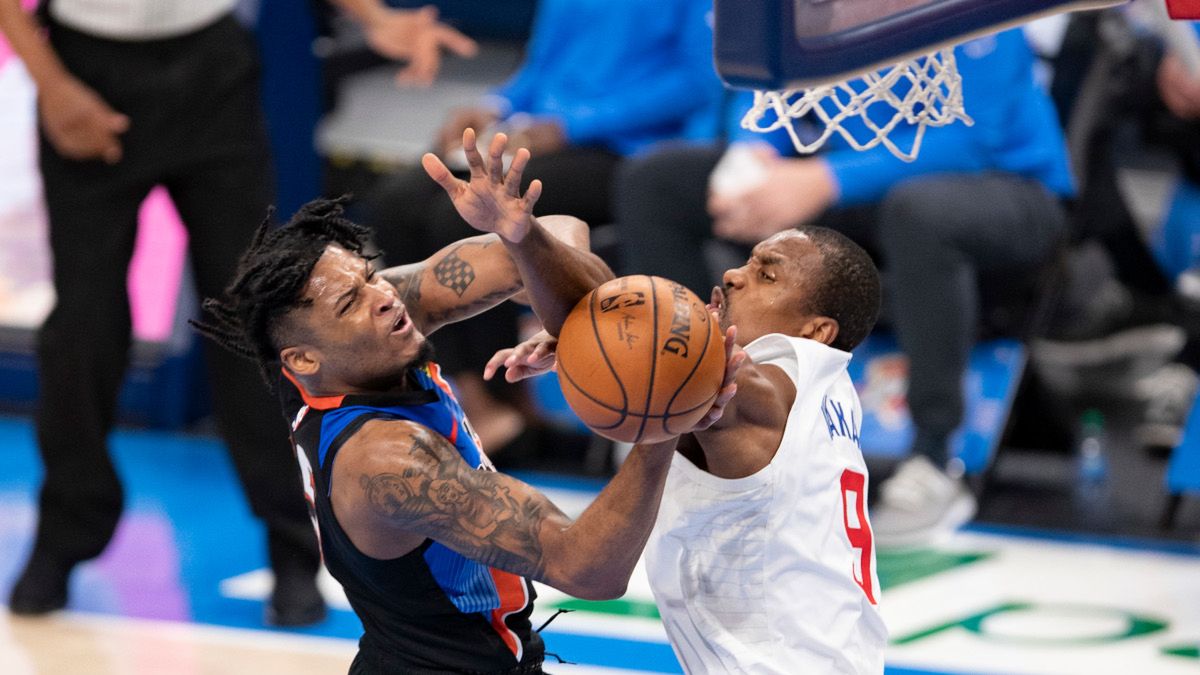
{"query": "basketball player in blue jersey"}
[(435, 550)]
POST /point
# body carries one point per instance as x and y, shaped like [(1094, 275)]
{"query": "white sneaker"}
[(1167, 395), (920, 504)]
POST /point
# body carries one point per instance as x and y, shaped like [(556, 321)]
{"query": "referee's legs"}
[(83, 350)]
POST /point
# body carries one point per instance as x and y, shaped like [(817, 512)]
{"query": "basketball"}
[(640, 359)]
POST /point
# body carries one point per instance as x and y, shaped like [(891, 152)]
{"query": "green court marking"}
[(621, 607), (1186, 651), (897, 568), (1136, 625)]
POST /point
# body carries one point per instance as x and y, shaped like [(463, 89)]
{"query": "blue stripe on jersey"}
[(467, 584)]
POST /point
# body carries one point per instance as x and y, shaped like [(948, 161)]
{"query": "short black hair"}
[(271, 277), (848, 288)]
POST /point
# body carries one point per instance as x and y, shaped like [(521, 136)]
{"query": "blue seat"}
[(880, 373)]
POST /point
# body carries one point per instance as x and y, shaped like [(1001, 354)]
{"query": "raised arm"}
[(471, 275), (555, 275)]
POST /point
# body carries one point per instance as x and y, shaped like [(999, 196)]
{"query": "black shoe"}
[(42, 586), (296, 601)]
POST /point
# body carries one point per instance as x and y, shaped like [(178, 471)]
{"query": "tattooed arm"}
[(470, 275), (555, 275), (396, 483)]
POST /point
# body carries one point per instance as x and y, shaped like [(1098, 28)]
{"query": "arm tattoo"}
[(454, 273), (408, 286), (473, 511), (475, 306)]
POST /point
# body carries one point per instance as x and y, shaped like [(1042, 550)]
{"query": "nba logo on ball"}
[(640, 359)]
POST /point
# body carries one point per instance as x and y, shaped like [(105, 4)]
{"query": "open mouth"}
[(717, 300), (402, 324)]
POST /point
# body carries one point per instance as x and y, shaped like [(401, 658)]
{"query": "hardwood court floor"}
[(181, 589)]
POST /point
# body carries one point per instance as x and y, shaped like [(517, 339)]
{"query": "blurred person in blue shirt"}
[(985, 199), (602, 80)]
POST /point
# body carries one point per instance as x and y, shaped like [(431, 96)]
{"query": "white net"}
[(925, 92)]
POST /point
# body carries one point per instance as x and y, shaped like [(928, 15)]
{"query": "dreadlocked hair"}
[(270, 280)]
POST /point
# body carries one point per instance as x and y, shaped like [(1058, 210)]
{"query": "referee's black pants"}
[(197, 129)]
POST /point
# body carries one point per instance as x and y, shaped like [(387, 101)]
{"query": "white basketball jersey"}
[(775, 572)]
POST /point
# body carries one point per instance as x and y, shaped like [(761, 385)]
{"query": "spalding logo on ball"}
[(640, 359)]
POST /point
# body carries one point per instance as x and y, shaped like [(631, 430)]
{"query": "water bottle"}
[(1092, 460)]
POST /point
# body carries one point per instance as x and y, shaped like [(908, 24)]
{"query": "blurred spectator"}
[(601, 80), (1132, 297), (134, 93), (982, 200), (1169, 393)]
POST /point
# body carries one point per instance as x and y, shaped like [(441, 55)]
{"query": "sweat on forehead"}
[(336, 267)]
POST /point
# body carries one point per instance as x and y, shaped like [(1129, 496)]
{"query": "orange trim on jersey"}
[(513, 596), (318, 402), (453, 437), (435, 372)]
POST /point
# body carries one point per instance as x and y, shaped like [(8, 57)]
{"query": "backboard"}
[(793, 44)]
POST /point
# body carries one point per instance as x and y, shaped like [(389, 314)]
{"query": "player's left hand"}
[(532, 357), (794, 192), (415, 35), (735, 358), (491, 201)]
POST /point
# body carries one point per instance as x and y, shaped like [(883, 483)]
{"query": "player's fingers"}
[(498, 359), (532, 194), (718, 409), (516, 171), (540, 352), (496, 157), (439, 173), (474, 159)]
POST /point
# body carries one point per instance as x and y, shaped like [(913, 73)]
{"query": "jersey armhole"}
[(336, 444)]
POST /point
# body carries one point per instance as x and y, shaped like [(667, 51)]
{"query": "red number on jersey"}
[(854, 488)]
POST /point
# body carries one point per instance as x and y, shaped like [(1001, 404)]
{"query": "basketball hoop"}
[(922, 92), (842, 64)]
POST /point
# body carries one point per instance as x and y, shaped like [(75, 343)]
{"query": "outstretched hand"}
[(534, 356), (735, 358), (491, 200)]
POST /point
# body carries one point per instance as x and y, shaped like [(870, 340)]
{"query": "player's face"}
[(769, 293), (363, 332)]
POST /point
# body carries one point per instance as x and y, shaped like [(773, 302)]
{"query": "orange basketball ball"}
[(640, 359)]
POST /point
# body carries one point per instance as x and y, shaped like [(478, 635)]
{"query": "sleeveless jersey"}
[(431, 610), (775, 572)]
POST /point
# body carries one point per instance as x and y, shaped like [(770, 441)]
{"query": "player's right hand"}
[(78, 123), (491, 200), (534, 356), (735, 358)]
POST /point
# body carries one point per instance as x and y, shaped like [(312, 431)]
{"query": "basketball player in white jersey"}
[(761, 560)]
